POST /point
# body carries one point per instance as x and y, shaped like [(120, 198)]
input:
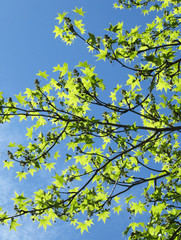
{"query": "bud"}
[(37, 82)]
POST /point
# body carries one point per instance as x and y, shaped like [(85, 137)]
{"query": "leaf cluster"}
[(130, 142)]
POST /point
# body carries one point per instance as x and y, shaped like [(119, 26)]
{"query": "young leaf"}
[(79, 11), (8, 164), (21, 175), (103, 216), (61, 17), (20, 98), (44, 222), (14, 224), (63, 69), (42, 74)]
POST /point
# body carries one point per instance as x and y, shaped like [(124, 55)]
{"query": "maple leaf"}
[(42, 74), (8, 164), (103, 216), (14, 224), (138, 207), (20, 98), (102, 54), (30, 132), (63, 69), (79, 11), (61, 16), (44, 222), (49, 166), (57, 68), (21, 175), (59, 180), (58, 31)]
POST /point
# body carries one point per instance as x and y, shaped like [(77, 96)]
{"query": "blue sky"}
[(27, 45)]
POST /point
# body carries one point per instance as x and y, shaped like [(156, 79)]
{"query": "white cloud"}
[(30, 231)]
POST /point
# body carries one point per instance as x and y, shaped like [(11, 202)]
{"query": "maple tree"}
[(106, 156)]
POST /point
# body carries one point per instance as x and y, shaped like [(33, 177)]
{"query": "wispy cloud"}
[(30, 231)]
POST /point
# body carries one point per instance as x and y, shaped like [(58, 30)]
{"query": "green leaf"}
[(1, 95), (83, 64), (138, 137), (162, 85), (81, 159), (116, 199), (21, 175), (40, 122), (49, 166), (14, 224), (138, 207), (129, 198), (117, 209), (103, 216), (133, 81), (134, 225), (79, 11), (120, 6), (84, 226), (92, 39), (20, 98), (8, 164), (32, 171), (44, 222), (72, 145), (47, 88), (59, 181), (11, 144), (102, 54), (19, 198), (57, 68), (58, 32), (158, 208), (52, 215), (22, 117), (42, 74), (63, 69), (113, 96), (61, 16), (151, 182), (56, 155), (80, 26), (29, 132)]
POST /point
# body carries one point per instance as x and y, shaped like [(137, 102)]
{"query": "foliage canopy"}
[(128, 142)]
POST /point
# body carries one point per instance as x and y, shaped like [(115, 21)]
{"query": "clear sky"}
[(27, 45)]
